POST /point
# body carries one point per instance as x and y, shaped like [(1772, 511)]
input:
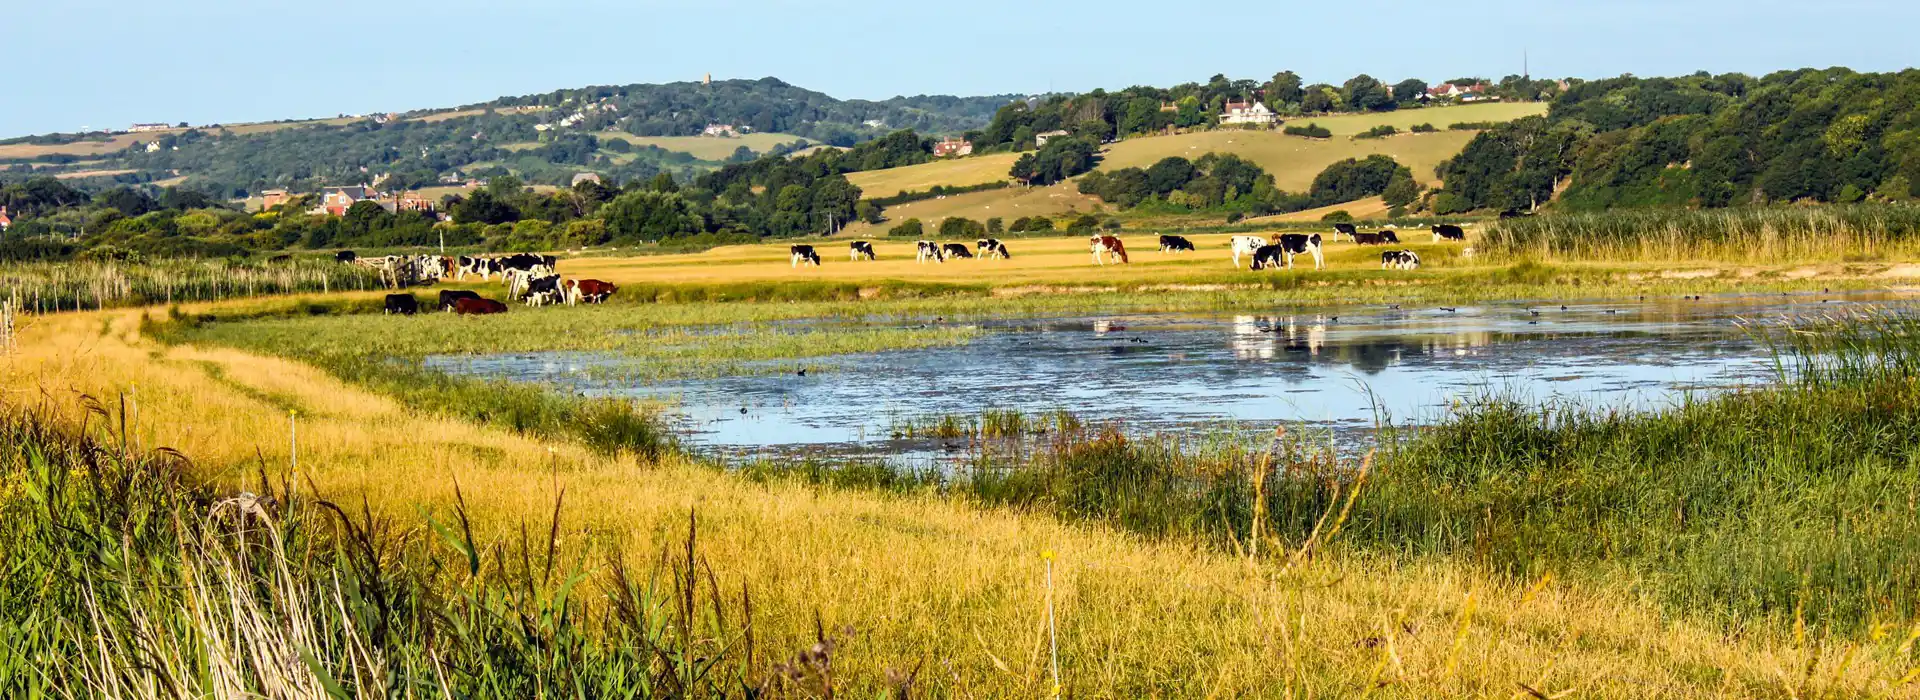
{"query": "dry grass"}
[(950, 172), (1405, 119), (937, 585), (1008, 204), (456, 114), (705, 147), (1294, 161)]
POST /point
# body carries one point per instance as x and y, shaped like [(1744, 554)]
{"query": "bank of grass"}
[(932, 582), (123, 575), (1764, 235), (68, 286)]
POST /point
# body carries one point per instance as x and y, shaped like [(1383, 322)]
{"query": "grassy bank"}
[(44, 287), (1763, 235)]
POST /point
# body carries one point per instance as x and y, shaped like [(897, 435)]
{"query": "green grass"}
[(1292, 160), (1345, 125)]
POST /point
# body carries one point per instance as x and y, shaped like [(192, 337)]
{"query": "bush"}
[(1086, 224), (1035, 223), (1111, 225), (996, 225), (911, 228), (1340, 216), (1471, 126), (1235, 217), (1381, 131), (1312, 131), (1396, 212), (1424, 128), (1445, 203)]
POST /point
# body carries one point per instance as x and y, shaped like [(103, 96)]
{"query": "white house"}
[(1247, 113), (1040, 140)]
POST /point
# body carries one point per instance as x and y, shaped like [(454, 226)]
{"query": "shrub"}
[(1381, 131), (1471, 126), (1235, 217), (1424, 128), (1445, 203), (1340, 216), (996, 225), (1085, 224), (911, 228), (1111, 224), (1312, 131)]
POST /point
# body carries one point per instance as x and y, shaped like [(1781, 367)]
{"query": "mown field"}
[(1293, 161), (1440, 117), (949, 172), (705, 147)]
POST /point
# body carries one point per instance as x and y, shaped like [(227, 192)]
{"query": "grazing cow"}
[(402, 304), (1400, 260), (929, 250), (862, 250), (1344, 230), (1380, 238), (1448, 232), (1282, 253), (1108, 246), (1175, 244), (588, 291), (956, 250), (543, 290), (993, 248), (803, 254), (478, 307), (449, 296), (1246, 245), (345, 256)]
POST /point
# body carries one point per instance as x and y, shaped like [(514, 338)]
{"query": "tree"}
[(1169, 174), (649, 216), (1409, 90), (868, 212), (995, 225), (1401, 192), (959, 228), (1365, 93), (1353, 179), (1320, 98), (663, 183), (483, 207), (1284, 89)]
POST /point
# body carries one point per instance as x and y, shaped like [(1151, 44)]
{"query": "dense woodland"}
[(1700, 141)]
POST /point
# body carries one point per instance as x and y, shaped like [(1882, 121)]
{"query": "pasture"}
[(706, 147), (1292, 160), (950, 172), (1343, 125)]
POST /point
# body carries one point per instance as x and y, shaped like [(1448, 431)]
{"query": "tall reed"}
[(48, 287), (1749, 234)]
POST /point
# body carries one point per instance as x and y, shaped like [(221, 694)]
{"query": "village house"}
[(1464, 93), (337, 200), (1040, 140), (717, 130), (5, 221), (406, 202), (952, 147), (1247, 113), (585, 177), (1169, 107)]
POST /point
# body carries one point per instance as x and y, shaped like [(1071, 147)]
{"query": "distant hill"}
[(544, 138)]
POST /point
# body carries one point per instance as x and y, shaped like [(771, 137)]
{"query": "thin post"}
[(1053, 641)]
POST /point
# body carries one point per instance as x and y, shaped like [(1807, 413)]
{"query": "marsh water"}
[(1337, 367)]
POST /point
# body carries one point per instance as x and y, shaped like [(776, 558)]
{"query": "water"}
[(1338, 367)]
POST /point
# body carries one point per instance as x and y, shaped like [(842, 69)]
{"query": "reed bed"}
[(50, 287), (1760, 235)]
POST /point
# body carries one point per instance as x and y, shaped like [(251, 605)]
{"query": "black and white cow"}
[(1347, 230), (956, 250), (1291, 244), (992, 248), (804, 254), (403, 304), (929, 250), (544, 290), (1399, 260), (449, 297), (861, 250), (1448, 232), (1175, 244), (345, 256), (1246, 245)]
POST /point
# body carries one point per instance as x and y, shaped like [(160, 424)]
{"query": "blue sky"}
[(105, 64)]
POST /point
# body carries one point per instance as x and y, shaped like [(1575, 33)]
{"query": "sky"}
[(101, 64)]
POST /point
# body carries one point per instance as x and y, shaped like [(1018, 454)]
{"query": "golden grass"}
[(1369, 208), (950, 172), (458, 113), (938, 585), (1008, 204), (1441, 117), (1294, 161), (78, 174)]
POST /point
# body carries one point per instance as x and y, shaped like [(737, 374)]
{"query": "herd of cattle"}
[(1276, 252), (528, 277)]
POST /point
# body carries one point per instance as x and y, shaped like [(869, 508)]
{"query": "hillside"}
[(1440, 117), (1292, 160)]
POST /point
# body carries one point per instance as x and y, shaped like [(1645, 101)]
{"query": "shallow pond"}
[(1338, 367)]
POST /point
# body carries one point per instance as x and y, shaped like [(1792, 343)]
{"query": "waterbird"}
[(1535, 312), (1449, 309), (1611, 311), (1563, 307), (803, 372), (1395, 307), (743, 410)]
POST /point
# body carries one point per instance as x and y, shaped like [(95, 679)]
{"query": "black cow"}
[(1175, 244), (345, 256), (1369, 239), (449, 297), (403, 304), (1448, 232), (1344, 230), (956, 250), (1389, 237), (1282, 253), (861, 250)]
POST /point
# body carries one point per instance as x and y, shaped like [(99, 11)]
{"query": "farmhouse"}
[(1464, 93), (1247, 113), (1041, 139), (5, 221), (720, 130), (952, 147), (585, 177), (273, 198), (143, 128)]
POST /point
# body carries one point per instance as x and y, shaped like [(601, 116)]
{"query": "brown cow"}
[(478, 307), (589, 291), (1108, 246)]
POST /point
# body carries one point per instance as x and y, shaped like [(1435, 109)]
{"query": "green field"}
[(1293, 161), (705, 147)]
